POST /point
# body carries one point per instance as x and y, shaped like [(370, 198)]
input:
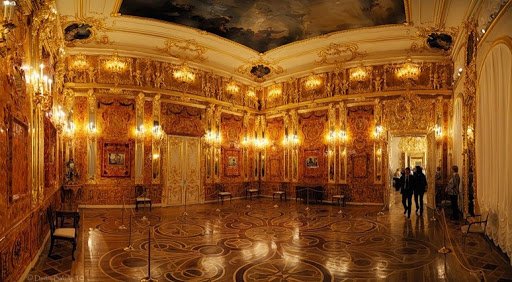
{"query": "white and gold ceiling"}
[(297, 37)]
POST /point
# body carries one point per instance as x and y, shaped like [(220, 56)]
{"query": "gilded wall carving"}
[(409, 112), (232, 134), (182, 120), (379, 78), (153, 75)]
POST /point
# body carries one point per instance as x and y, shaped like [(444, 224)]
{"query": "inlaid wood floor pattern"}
[(262, 240)]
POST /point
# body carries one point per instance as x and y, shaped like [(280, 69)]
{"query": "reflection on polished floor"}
[(271, 241)]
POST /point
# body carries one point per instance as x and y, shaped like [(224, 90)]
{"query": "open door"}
[(431, 170)]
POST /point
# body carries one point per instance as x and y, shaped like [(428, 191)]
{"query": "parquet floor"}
[(265, 240)]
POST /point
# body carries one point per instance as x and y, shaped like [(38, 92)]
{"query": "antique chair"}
[(340, 196), (474, 224), (221, 193), (142, 197), (281, 191), (65, 234), (249, 191)]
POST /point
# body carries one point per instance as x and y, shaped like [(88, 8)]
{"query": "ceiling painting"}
[(266, 24)]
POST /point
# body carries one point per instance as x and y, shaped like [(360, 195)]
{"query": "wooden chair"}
[(142, 197), (249, 191), (340, 197), (65, 234), (281, 192), (475, 224), (221, 194)]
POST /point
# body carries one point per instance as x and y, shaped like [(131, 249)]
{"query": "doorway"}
[(406, 150), (183, 171)]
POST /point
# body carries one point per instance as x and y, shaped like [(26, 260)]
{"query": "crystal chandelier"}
[(184, 74), (115, 64), (275, 90), (313, 82), (358, 74), (80, 62), (408, 71), (251, 93), (232, 87)]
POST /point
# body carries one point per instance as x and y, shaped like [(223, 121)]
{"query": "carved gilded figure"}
[(159, 80), (148, 75), (378, 83), (435, 83), (91, 72), (344, 87), (138, 78)]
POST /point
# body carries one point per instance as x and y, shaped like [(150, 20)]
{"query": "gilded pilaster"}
[(139, 141), (158, 137), (91, 137)]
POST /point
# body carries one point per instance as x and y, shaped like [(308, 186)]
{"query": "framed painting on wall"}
[(232, 162), (116, 159), (312, 162)]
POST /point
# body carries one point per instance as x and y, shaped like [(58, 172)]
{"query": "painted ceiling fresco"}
[(266, 24)]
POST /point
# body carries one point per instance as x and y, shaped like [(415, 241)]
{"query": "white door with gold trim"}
[(183, 171)]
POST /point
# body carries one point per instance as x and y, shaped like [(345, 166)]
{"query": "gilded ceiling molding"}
[(260, 69), (338, 53), (185, 50)]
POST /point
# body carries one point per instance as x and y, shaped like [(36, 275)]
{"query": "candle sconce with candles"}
[(41, 85), (7, 24)]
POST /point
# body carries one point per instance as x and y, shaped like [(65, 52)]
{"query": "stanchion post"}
[(129, 248)]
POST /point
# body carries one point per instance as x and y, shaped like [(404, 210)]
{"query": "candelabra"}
[(41, 85), (7, 24)]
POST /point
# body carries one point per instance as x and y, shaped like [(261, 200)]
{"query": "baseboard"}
[(35, 259), (117, 206)]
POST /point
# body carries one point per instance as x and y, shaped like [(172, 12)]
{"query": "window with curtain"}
[(493, 144)]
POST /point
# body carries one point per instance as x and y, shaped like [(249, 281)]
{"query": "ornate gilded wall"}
[(27, 140), (313, 128)]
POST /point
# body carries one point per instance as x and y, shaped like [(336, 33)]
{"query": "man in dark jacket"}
[(420, 186), (406, 189)]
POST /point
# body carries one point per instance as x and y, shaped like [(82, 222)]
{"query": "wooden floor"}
[(265, 240)]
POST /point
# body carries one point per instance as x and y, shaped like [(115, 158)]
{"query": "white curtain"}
[(494, 144), (457, 141)]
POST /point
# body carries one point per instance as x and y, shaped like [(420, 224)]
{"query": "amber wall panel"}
[(360, 174), (232, 175), (313, 129)]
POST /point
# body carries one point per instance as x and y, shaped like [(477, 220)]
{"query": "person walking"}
[(420, 186), (452, 190), (406, 189)]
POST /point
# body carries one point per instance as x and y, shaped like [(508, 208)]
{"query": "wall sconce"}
[(213, 138), (360, 73), (140, 131), (156, 156), (69, 129), (59, 117), (377, 132), (336, 137), (41, 85), (291, 140), (157, 131), (251, 93), (79, 62), (91, 128), (438, 131)]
